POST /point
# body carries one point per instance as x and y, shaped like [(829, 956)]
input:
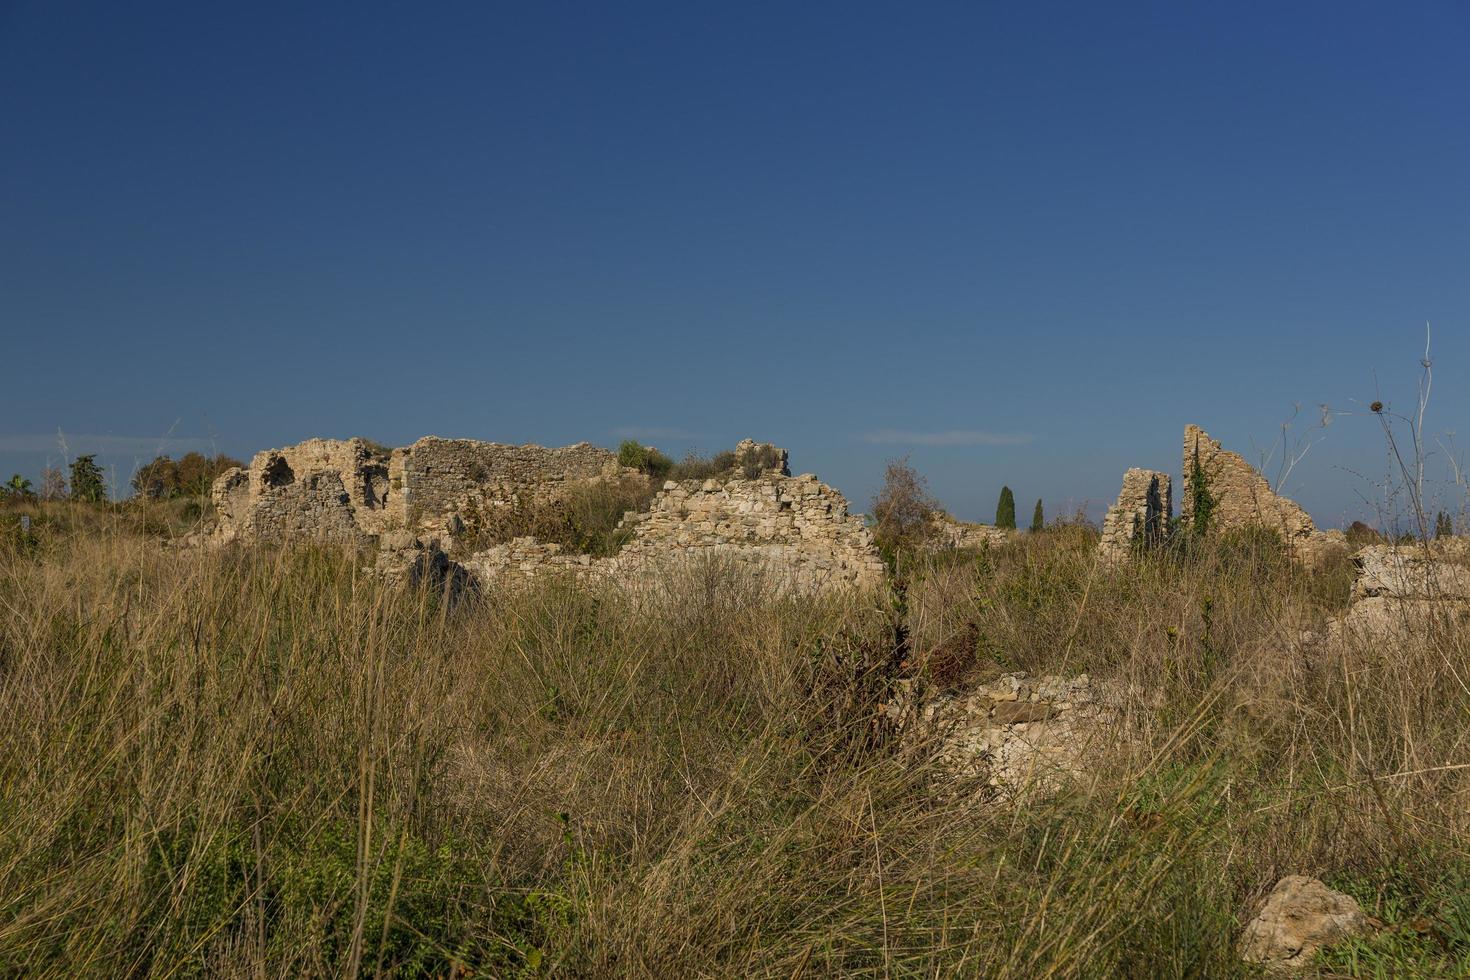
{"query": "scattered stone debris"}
[(1018, 734), (423, 564), (1299, 917)]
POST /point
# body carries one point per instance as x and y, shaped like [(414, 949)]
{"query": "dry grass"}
[(270, 763)]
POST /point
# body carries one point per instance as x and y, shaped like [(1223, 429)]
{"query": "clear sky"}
[(1024, 242)]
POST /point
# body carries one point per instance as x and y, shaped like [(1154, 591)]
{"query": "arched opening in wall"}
[(278, 473)]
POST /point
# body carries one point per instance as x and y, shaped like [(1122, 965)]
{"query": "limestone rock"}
[(1401, 593), (424, 564), (1299, 917), (1016, 734), (1407, 573)]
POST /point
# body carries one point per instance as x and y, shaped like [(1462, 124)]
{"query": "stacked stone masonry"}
[(1240, 496), (795, 530), (1140, 518), (950, 534), (797, 527)]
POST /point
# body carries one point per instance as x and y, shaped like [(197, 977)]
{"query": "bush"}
[(645, 459), (584, 520), (903, 513), (696, 467)]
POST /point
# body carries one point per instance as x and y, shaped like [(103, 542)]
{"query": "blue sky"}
[(1025, 243)]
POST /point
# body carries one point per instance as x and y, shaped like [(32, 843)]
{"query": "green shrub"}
[(583, 520), (645, 459)]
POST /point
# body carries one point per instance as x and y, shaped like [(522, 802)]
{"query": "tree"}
[(18, 488), (1444, 527), (86, 480), (1202, 501), (157, 480), (903, 510), (1038, 519), (1005, 509), (192, 476), (53, 484)]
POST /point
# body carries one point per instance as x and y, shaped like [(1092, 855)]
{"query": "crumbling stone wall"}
[(1140, 516), (949, 534), (441, 476), (331, 488), (347, 488), (1240, 496), (795, 532), (797, 528)]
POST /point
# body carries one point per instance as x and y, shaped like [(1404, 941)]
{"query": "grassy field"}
[(273, 763)]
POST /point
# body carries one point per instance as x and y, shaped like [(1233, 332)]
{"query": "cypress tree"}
[(1005, 510), (1038, 520)]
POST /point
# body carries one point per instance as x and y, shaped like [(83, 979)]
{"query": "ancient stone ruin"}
[(351, 489), (1140, 518), (1404, 591), (1233, 493), (950, 534), (415, 503), (1222, 493)]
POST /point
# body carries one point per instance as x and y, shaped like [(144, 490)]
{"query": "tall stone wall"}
[(1240, 496), (1140, 515)]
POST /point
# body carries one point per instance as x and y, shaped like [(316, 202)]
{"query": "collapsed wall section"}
[(948, 534)]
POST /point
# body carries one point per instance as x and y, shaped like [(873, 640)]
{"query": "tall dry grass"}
[(270, 762)]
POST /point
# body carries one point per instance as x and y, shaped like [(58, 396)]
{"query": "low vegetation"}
[(271, 762), (583, 519)]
